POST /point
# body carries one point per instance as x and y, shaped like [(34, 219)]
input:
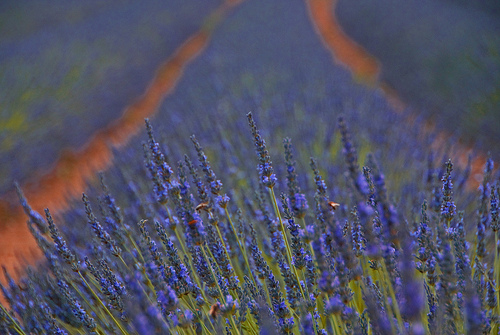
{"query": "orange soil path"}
[(366, 68), (74, 169), (345, 51)]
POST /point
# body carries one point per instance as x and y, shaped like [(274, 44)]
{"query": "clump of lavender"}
[(170, 252)]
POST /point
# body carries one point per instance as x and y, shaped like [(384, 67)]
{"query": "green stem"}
[(252, 325), (16, 326), (245, 257), (395, 305), (118, 324), (212, 271), (425, 310), (289, 250), (378, 276), (91, 306), (190, 261), (140, 284), (218, 287), (285, 237), (71, 330), (224, 246)]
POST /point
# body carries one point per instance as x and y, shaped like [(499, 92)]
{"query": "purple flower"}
[(167, 300)]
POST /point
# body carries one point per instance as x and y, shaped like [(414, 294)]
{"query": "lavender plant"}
[(176, 250)]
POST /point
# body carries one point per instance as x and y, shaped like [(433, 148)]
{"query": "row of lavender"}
[(69, 69), (269, 252)]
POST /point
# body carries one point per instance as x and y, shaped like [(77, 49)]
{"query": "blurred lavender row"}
[(442, 57), (69, 68)]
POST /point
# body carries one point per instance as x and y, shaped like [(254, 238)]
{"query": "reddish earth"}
[(74, 169), (345, 51)]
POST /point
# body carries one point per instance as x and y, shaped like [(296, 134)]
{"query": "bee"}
[(333, 205), (202, 206), (214, 310), (192, 222)]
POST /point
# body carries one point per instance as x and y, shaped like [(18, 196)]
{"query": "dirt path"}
[(74, 169), (344, 50)]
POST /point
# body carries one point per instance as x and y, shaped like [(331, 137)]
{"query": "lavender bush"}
[(167, 247)]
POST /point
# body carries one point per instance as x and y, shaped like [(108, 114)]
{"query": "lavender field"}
[(270, 193)]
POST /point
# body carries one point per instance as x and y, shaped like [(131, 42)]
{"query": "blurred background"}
[(69, 69), (442, 57)]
